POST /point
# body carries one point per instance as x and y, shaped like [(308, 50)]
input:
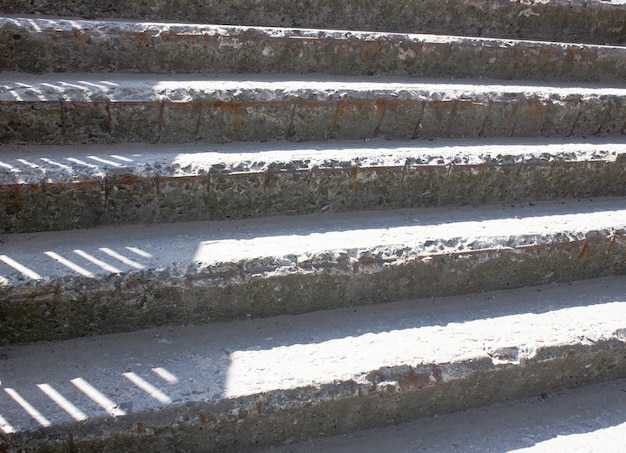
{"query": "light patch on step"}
[(6, 426), (138, 251), (63, 403), (609, 439), (121, 258), (97, 397), (512, 355), (69, 264), (165, 375), (92, 259), (503, 340), (30, 410), (148, 388), (20, 268)]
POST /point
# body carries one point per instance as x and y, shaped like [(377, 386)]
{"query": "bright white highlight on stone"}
[(346, 358), (63, 403), (20, 268), (97, 262), (122, 258), (6, 426), (165, 375), (139, 252), (96, 396), (75, 267), (43, 421), (148, 388), (606, 440)]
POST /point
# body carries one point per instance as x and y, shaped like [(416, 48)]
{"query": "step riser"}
[(77, 306), (296, 187), (311, 115), (573, 21), (36, 45), (246, 423)]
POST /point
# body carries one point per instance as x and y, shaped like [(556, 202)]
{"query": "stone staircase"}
[(228, 225)]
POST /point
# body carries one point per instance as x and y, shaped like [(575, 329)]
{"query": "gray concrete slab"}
[(236, 385), (98, 185), (589, 419), (562, 20), (105, 108), (70, 45), (73, 283)]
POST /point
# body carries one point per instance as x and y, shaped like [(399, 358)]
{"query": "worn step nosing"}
[(220, 110), (47, 45), (142, 184), (295, 368), (575, 21), (208, 278)]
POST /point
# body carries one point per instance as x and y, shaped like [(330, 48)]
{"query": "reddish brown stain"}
[(414, 380), (583, 250)]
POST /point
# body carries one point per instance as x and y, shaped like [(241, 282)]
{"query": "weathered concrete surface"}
[(62, 45), (69, 284), (559, 20), (583, 419), (54, 188), (239, 386), (65, 109)]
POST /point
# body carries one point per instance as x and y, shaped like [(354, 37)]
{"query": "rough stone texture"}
[(59, 45), (111, 185), (559, 20), (361, 369), (137, 108), (197, 274)]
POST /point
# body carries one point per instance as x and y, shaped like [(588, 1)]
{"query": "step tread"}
[(569, 19), (263, 360), (568, 420), (301, 244), (58, 164), (33, 44), (57, 25), (18, 87)]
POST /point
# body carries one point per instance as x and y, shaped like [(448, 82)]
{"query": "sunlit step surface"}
[(103, 108), (231, 385), (83, 186), (73, 283)]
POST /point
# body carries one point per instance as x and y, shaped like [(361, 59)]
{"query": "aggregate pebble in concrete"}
[(62, 45), (237, 385)]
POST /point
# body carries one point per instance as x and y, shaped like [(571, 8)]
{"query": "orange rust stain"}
[(583, 250), (381, 104), (235, 107), (414, 381)]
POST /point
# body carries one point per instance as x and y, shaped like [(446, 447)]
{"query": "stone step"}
[(66, 284), (47, 187), (558, 20), (35, 44), (103, 108), (248, 384), (582, 419)]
